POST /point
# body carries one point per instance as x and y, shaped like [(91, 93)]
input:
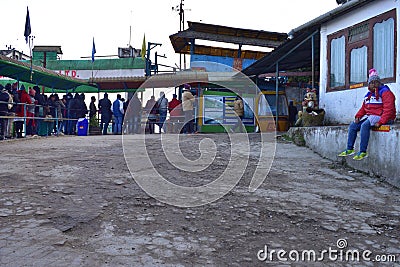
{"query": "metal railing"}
[(56, 120)]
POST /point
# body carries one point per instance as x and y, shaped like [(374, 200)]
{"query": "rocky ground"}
[(72, 201)]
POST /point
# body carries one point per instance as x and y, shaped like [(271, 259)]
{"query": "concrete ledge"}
[(383, 150)]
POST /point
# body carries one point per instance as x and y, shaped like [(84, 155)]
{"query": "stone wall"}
[(383, 151)]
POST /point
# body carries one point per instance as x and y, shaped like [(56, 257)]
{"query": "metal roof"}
[(296, 53), (181, 41), (301, 59), (157, 81), (47, 48), (23, 71)]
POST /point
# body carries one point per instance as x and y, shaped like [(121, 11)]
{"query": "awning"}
[(164, 80), (182, 40), (296, 53), (288, 61), (22, 71), (117, 84)]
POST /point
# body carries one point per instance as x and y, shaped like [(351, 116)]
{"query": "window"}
[(384, 48), (358, 65), (356, 49), (338, 62)]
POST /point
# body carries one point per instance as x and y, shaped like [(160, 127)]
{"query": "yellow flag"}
[(144, 46)]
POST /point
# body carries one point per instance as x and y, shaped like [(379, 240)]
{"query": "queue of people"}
[(181, 113), (42, 115)]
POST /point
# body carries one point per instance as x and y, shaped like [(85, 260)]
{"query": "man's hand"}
[(377, 125), (356, 120)]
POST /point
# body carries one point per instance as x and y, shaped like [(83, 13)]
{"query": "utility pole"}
[(181, 11)]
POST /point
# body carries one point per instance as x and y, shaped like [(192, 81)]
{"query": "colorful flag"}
[(27, 31), (143, 52), (93, 50)]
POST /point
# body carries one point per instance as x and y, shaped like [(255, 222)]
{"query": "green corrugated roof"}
[(22, 71), (98, 64)]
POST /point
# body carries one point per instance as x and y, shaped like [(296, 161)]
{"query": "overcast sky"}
[(72, 24)]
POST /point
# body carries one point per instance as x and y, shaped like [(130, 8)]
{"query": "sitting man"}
[(378, 108)]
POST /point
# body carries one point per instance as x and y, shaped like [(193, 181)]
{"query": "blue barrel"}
[(82, 127)]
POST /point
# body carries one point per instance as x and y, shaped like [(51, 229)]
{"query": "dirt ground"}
[(72, 201)]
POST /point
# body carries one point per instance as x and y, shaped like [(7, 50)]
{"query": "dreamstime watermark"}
[(340, 253), (150, 174)]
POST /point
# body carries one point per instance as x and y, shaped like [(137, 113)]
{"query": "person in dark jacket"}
[(106, 113), (83, 110), (135, 115), (151, 110), (74, 111), (292, 114), (41, 110), (4, 97), (93, 112), (10, 112)]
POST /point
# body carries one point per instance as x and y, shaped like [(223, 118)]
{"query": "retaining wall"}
[(383, 158)]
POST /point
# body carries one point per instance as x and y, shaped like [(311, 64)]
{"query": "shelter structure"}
[(184, 42), (338, 48), (26, 72)]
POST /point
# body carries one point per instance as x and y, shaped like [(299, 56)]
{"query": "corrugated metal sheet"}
[(98, 64)]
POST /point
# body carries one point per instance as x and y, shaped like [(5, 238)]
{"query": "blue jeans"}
[(117, 124), (136, 123), (364, 127), (163, 116)]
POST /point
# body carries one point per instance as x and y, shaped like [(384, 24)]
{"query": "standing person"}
[(19, 112), (118, 111), (106, 113), (12, 112), (52, 111), (187, 107), (151, 110), (60, 107), (175, 112), (40, 111), (162, 104), (22, 111), (83, 110), (377, 108), (92, 111), (4, 98), (67, 113), (238, 107), (135, 114), (74, 112), (292, 114), (8, 123), (30, 112)]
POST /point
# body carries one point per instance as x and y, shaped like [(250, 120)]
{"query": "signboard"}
[(86, 74), (218, 109)]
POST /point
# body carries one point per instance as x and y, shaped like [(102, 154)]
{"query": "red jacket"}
[(384, 106), (24, 98), (175, 108)]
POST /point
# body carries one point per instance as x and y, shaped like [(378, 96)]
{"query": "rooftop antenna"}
[(130, 31), (181, 11)]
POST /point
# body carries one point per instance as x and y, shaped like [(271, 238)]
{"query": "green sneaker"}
[(346, 153), (360, 156)]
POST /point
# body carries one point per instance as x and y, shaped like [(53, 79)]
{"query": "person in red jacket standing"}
[(23, 110), (175, 112), (378, 108)]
